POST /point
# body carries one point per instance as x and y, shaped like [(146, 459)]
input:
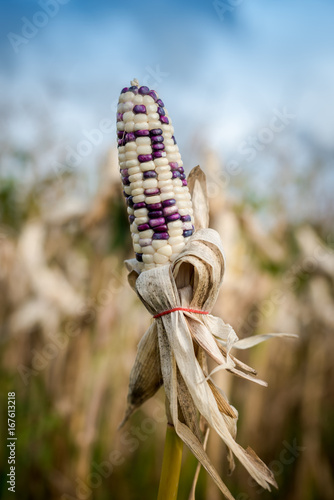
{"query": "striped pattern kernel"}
[(154, 182)]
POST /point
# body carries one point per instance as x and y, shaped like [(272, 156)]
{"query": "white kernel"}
[(144, 242), (138, 99), (128, 106), (147, 267), (153, 117), (140, 212), (146, 234), (164, 183), (174, 224), (154, 124), (153, 199), (133, 170), (177, 248), (180, 163), (171, 149), (179, 189), (148, 250), (121, 150), (166, 188), (120, 125), (134, 228), (141, 126), (166, 128), (182, 196), (128, 116), (176, 240), (174, 157), (161, 162), (159, 258), (128, 96), (148, 259), (137, 248), (136, 177), (176, 232), (156, 244), (163, 169), (138, 198), (130, 146), (144, 150), (169, 142), (151, 108), (165, 176), (187, 225), (141, 220), (137, 191), (127, 189), (132, 163), (143, 141), (148, 99), (121, 98), (135, 238), (182, 204), (183, 211), (129, 127), (140, 117), (150, 183), (131, 155), (167, 196), (121, 157), (137, 184), (129, 210), (147, 165), (165, 250), (120, 108), (177, 182)]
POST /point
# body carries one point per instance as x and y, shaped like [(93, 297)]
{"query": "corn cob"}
[(155, 185)]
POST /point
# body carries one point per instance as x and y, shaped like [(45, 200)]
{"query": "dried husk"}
[(171, 351)]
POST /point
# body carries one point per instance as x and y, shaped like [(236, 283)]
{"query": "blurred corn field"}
[(70, 326)]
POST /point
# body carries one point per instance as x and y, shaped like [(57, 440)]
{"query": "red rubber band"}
[(196, 311)]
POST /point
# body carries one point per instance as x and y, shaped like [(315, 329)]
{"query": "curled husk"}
[(173, 351)]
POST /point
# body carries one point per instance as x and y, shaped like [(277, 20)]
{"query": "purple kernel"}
[(150, 174), (124, 90), (129, 201), (168, 203), (158, 154), (157, 138), (143, 227), (160, 103), (185, 218), (160, 236), (161, 229), (176, 174), (174, 139), (173, 165), (170, 210), (156, 222), (142, 133), (139, 108), (156, 131), (143, 90), (119, 117), (151, 191), (164, 119), (152, 207), (158, 146), (161, 111), (120, 134), (130, 137), (187, 232), (155, 215), (181, 170), (126, 194), (131, 218), (125, 181), (172, 218), (153, 94), (137, 206), (133, 89), (120, 142), (144, 158), (139, 257), (124, 172), (184, 183), (182, 177)]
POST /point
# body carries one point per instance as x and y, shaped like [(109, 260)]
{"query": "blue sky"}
[(221, 77)]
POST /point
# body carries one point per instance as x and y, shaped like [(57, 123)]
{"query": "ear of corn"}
[(155, 185)]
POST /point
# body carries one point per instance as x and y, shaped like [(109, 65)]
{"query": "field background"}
[(69, 322)]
